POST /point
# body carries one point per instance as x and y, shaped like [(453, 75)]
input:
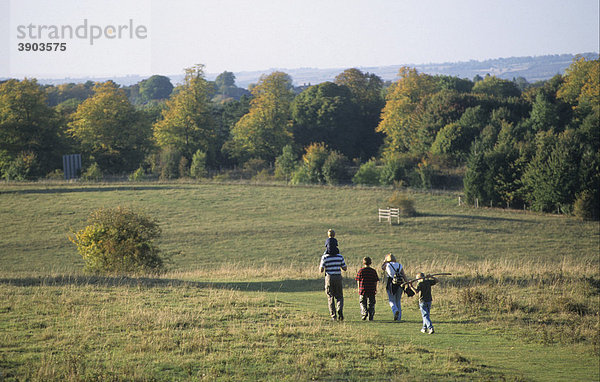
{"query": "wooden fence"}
[(389, 214)]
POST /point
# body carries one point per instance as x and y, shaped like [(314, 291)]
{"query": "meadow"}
[(243, 299)]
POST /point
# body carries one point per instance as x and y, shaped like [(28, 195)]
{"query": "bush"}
[(169, 163), (301, 176), (93, 173), (334, 168), (24, 167), (57, 174), (263, 175), (183, 167), (253, 166), (397, 169), (198, 167), (586, 206), (367, 174), (404, 203), (119, 240), (138, 175)]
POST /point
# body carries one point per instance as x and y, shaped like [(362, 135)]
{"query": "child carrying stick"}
[(423, 288)]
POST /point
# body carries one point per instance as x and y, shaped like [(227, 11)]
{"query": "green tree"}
[(433, 113), (313, 160), (28, 127), (544, 114), (198, 166), (460, 85), (497, 87), (366, 90), (453, 140), (474, 180), (155, 87), (224, 81), (187, 123), (110, 130), (326, 113), (286, 163), (552, 177), (335, 168), (265, 129)]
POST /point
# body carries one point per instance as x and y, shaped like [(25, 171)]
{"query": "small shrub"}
[(301, 176), (57, 174), (586, 206), (253, 166), (184, 167), (169, 163), (138, 175), (404, 203), (93, 173), (119, 240), (367, 174), (263, 175)]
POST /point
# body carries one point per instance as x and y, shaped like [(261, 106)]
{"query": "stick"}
[(426, 276)]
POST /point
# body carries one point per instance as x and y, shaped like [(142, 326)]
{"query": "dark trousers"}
[(367, 305), (335, 295)]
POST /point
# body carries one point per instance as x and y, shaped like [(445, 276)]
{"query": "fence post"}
[(476, 202), (459, 201)]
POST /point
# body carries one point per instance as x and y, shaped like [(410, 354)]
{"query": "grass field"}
[(243, 298)]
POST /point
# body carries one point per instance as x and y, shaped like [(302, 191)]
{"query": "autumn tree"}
[(266, 128), (399, 116), (111, 132), (581, 87), (187, 124)]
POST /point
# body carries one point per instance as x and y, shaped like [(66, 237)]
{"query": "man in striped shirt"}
[(367, 279), (332, 266)]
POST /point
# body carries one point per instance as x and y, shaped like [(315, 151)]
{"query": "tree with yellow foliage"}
[(187, 124), (399, 117), (266, 128)]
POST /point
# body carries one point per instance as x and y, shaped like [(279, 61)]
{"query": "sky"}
[(144, 37)]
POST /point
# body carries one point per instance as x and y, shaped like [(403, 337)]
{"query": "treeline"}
[(507, 143)]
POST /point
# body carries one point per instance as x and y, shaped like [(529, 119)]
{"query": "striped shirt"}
[(332, 264), (367, 281)]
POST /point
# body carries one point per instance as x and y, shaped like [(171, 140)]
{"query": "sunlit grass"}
[(243, 298)]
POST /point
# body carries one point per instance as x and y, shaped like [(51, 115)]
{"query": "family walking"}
[(396, 284)]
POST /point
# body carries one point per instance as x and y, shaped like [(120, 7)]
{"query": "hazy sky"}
[(243, 35)]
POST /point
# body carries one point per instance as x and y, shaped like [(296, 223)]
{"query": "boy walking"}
[(423, 288), (367, 279)]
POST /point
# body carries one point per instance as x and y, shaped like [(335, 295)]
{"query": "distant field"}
[(252, 225), (243, 298)]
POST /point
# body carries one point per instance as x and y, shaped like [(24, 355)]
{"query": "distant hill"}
[(533, 69)]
